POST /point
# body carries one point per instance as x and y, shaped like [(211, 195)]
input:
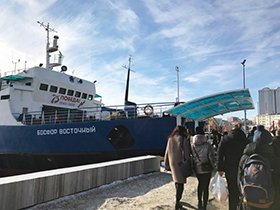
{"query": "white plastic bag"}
[(218, 188), (212, 182)]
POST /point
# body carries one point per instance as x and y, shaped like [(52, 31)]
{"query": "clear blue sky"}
[(207, 40)]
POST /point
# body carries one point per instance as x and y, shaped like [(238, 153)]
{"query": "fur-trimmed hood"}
[(199, 139)]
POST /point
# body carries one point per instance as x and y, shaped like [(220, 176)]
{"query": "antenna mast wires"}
[(48, 29)]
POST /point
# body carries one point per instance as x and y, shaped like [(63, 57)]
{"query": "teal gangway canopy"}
[(13, 77), (210, 106)]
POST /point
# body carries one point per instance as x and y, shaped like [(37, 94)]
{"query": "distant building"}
[(234, 120), (219, 124), (267, 101), (277, 98), (267, 120), (269, 107)]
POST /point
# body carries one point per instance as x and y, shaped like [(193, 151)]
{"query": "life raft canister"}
[(148, 110)]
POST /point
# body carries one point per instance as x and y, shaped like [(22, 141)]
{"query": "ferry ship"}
[(50, 119)]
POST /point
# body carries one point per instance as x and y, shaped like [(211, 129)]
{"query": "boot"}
[(178, 206), (205, 204), (199, 206)]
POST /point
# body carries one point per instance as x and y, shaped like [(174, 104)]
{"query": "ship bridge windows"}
[(44, 87), (62, 90), (53, 89), (65, 91), (84, 96), (77, 94), (70, 92)]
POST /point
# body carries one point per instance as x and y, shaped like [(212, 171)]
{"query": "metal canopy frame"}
[(213, 105)]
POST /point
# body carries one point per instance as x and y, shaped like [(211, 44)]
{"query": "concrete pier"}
[(26, 190)]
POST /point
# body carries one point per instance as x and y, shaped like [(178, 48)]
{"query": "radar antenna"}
[(48, 29)]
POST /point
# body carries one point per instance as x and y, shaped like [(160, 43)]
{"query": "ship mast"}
[(48, 49), (127, 80)]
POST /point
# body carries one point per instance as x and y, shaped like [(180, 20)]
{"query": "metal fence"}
[(152, 110)]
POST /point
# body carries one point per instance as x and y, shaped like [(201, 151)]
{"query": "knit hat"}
[(262, 135), (199, 130)]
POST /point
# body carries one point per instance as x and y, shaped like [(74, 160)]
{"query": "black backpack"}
[(256, 182)]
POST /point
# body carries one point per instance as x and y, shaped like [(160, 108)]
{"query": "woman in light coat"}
[(177, 150), (204, 162)]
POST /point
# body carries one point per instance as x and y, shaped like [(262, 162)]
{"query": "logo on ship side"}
[(61, 99)]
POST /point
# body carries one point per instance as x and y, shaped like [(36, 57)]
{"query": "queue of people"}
[(233, 149), (181, 146)]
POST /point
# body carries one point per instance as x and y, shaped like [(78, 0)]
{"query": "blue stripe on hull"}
[(99, 140)]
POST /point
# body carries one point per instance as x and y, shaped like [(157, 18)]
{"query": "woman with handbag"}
[(177, 153), (204, 163)]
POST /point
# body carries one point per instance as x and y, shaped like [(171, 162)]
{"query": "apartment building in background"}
[(269, 107)]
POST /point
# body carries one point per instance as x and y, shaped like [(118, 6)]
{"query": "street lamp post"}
[(244, 86), (177, 70)]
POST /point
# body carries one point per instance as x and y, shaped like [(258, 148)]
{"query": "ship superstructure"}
[(43, 94)]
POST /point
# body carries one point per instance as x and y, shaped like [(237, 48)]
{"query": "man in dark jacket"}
[(229, 153)]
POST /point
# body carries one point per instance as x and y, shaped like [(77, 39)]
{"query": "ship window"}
[(44, 87), (24, 110), (53, 89), (90, 97), (78, 94), (5, 97), (62, 90), (28, 84), (84, 96), (70, 92)]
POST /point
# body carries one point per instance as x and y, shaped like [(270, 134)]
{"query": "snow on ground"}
[(154, 191)]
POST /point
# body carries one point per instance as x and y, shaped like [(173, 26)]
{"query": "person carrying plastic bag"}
[(218, 188), (229, 153)]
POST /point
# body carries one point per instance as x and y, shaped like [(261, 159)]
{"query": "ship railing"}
[(116, 112), (13, 72)]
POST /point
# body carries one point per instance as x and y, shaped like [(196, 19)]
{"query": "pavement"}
[(154, 191)]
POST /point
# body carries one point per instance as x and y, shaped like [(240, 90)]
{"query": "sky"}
[(206, 40)]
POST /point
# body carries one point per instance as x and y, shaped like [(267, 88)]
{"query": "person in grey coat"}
[(177, 150), (204, 163)]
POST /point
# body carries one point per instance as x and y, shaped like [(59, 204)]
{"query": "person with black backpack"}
[(259, 174)]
